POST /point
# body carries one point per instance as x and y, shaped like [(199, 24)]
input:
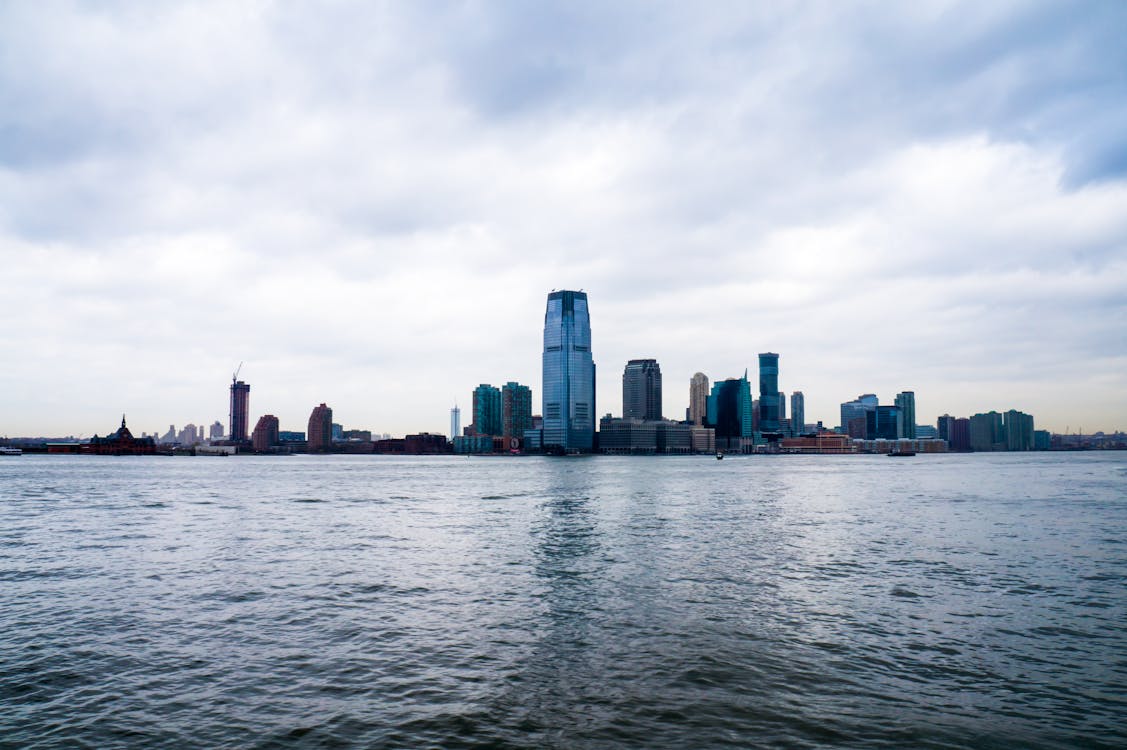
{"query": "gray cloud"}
[(368, 204)]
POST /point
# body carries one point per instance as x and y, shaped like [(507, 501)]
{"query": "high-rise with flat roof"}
[(797, 413), (698, 399), (729, 409), (769, 392), (320, 431), (240, 410), (906, 415), (568, 393), (516, 411), (455, 422), (641, 390), (487, 410), (265, 434)]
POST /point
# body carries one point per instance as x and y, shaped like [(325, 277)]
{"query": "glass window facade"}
[(568, 374)]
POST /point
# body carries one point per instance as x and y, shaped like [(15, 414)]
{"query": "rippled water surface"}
[(680, 602)]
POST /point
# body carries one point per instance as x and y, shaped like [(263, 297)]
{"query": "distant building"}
[(291, 436), (821, 442), (425, 443), (959, 435), (455, 422), (798, 413), (516, 412), (320, 429), (906, 415), (883, 423), (338, 432), (769, 416), (927, 432), (641, 390), (240, 411), (1042, 440), (729, 412), (568, 393), (487, 410), (987, 432), (471, 444), (698, 399), (265, 435), (854, 415), (627, 435), (352, 436), (943, 427), (119, 443), (703, 439), (1018, 427)]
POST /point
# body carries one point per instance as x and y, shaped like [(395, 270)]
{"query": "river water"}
[(600, 602)]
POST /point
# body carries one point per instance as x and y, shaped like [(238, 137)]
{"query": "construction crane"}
[(235, 377)]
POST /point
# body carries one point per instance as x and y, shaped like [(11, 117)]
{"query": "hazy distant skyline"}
[(369, 205)]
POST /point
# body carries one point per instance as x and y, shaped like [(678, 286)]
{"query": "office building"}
[(568, 393), (730, 412), (487, 410), (265, 434), (455, 422), (240, 411), (883, 423), (944, 427), (987, 432), (516, 413), (1042, 440), (959, 434), (698, 399), (797, 413), (769, 416), (906, 415), (216, 431), (320, 429), (854, 415), (1018, 427), (641, 390)]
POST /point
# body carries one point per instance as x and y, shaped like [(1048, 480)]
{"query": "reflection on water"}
[(957, 601)]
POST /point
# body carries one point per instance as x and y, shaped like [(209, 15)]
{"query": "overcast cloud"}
[(368, 204)]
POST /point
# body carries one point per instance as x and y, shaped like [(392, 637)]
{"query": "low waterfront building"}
[(821, 442), (119, 443)]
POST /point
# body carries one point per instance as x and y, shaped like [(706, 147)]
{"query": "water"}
[(679, 602)]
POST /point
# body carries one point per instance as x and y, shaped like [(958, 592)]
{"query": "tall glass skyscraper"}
[(569, 374), (769, 392), (641, 389)]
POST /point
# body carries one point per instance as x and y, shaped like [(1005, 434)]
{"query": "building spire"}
[(123, 420)]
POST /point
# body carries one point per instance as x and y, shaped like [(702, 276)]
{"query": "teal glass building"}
[(568, 375)]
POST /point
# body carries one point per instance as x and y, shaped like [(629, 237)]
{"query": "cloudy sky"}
[(368, 204)]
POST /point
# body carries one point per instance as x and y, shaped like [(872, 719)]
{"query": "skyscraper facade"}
[(906, 415), (320, 433), (1019, 430), (265, 434), (729, 408), (455, 422), (769, 392), (516, 411), (698, 399), (641, 390), (854, 415), (568, 393), (797, 413), (487, 410), (240, 410)]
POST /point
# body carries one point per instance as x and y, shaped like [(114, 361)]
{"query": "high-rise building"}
[(240, 410), (883, 423), (320, 429), (768, 392), (944, 427), (797, 413), (987, 432), (906, 415), (854, 419), (959, 435), (487, 410), (265, 435), (641, 390), (216, 431), (516, 411), (729, 409), (698, 399), (455, 422), (568, 394), (1019, 430)]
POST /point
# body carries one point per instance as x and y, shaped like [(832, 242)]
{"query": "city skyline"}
[(368, 205)]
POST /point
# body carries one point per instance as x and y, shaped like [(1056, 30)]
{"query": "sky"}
[(367, 204)]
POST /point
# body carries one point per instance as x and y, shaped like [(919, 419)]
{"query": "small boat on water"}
[(6, 450), (719, 456)]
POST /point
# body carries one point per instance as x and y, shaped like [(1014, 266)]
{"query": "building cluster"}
[(724, 416)]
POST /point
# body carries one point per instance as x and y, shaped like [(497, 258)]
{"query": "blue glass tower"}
[(769, 392), (569, 375)]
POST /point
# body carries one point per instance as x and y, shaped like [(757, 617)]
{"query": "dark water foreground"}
[(955, 601)]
